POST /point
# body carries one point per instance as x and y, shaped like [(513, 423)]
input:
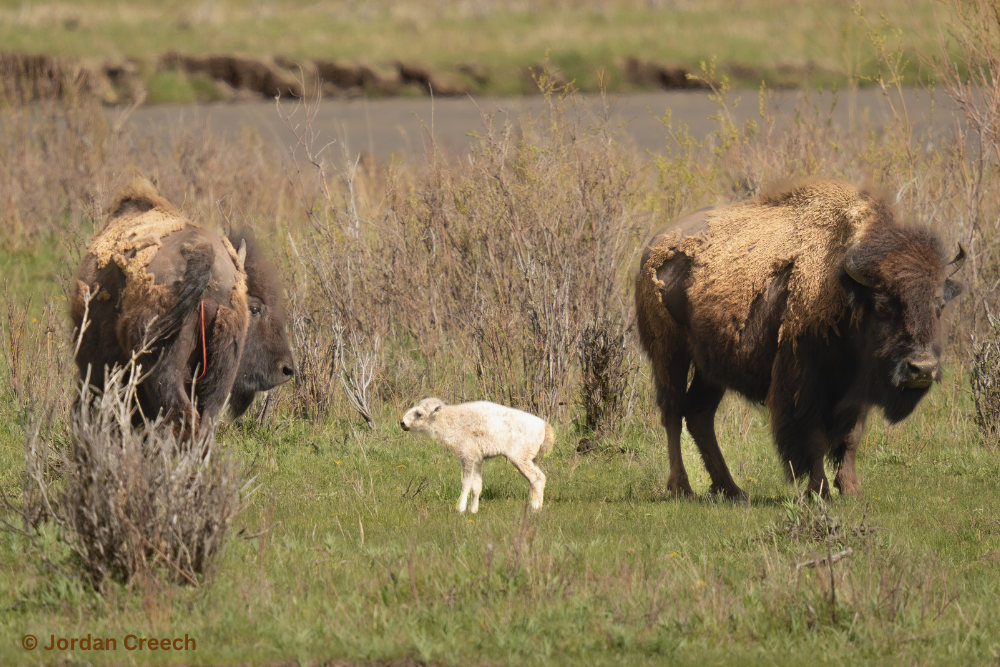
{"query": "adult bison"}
[(814, 300), (214, 311)]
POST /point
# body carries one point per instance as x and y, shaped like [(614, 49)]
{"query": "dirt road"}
[(402, 127)]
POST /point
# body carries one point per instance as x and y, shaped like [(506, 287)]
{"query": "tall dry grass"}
[(478, 277)]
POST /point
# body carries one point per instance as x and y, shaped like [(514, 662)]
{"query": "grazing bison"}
[(209, 305), (815, 301)]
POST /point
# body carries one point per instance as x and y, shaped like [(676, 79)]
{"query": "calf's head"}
[(898, 283), (267, 356), (417, 418)]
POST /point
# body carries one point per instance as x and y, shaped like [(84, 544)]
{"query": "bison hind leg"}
[(703, 400), (670, 388)]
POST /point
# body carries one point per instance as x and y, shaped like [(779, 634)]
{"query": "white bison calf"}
[(482, 430)]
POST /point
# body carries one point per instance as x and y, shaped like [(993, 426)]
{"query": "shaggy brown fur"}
[(151, 269), (756, 297)]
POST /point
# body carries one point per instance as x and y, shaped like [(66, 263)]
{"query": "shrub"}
[(128, 501), (985, 380), (607, 369)]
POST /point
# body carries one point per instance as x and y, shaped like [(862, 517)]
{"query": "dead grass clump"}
[(607, 369), (497, 260), (130, 502), (808, 519), (985, 381)]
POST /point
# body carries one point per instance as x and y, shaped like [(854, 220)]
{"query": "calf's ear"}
[(952, 288)]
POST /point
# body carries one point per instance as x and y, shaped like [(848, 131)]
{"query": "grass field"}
[(368, 560), (476, 278), (780, 42)]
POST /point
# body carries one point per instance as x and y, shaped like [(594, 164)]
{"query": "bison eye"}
[(255, 310)]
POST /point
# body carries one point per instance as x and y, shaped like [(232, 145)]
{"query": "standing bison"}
[(814, 300), (214, 311)]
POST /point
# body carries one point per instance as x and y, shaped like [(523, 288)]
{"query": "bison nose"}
[(920, 371), (287, 370), (403, 426)]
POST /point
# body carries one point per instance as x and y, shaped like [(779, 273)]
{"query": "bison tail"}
[(197, 274)]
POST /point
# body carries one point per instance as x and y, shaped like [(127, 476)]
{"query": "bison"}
[(214, 312), (813, 300)]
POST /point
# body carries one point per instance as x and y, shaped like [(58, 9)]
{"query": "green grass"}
[(610, 572), (779, 41)]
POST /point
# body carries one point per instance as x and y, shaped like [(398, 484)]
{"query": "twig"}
[(263, 532), (830, 558)]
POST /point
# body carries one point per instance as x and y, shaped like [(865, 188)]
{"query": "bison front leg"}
[(844, 454), (165, 385), (225, 346), (818, 483), (702, 401)]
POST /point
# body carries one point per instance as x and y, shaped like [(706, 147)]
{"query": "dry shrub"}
[(607, 368), (498, 259), (137, 501), (147, 501), (985, 381)]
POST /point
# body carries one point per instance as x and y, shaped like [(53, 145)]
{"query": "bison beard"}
[(814, 301)]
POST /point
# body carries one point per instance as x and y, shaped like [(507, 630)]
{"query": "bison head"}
[(267, 356), (898, 283)]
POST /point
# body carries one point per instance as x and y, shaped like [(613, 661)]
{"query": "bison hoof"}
[(850, 490), (734, 493), (679, 488)]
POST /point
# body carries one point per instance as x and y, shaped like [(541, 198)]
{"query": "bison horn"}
[(958, 262), (241, 254), (852, 268)]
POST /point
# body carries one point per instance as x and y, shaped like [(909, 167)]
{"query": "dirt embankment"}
[(238, 77)]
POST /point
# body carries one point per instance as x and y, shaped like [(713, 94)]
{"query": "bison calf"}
[(483, 430), (813, 300)]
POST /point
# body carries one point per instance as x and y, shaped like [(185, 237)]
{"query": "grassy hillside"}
[(782, 43)]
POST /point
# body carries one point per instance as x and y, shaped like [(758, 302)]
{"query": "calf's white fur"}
[(482, 430)]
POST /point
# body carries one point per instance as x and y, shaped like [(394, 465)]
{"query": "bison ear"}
[(437, 409), (241, 254), (952, 288)]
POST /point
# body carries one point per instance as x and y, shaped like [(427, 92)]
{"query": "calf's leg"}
[(535, 477), (468, 472), (477, 485)]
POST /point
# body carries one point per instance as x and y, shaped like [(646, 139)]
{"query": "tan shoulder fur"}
[(138, 219), (804, 229)]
